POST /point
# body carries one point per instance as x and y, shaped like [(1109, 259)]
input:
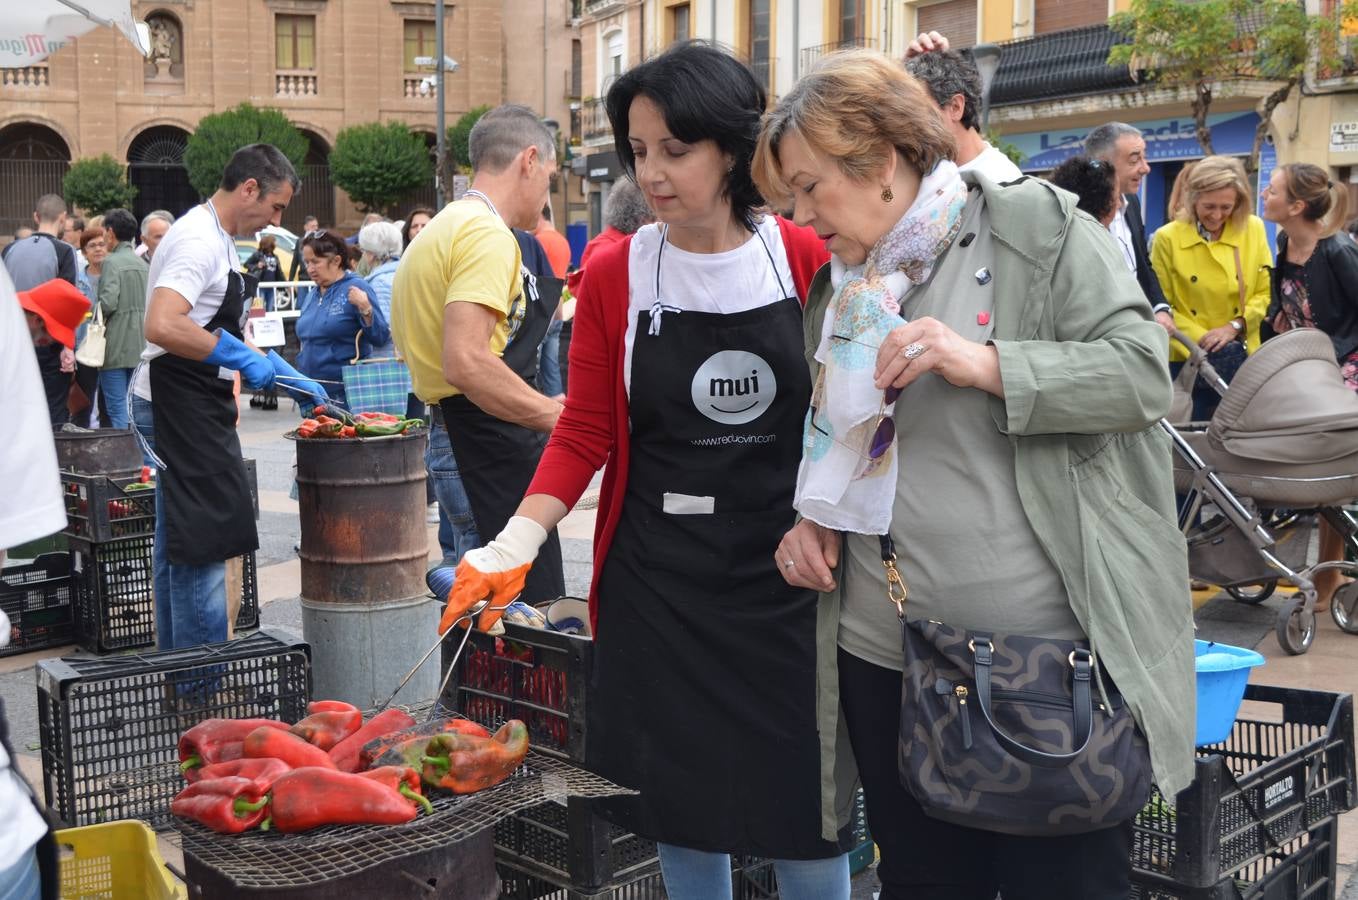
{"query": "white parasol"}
[(32, 30)]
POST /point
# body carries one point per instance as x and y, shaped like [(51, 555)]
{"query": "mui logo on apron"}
[(734, 387)]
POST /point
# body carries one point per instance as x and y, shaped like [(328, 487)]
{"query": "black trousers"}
[(496, 461), (925, 859), (56, 383)]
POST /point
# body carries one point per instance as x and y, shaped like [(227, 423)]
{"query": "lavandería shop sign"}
[(1166, 139)]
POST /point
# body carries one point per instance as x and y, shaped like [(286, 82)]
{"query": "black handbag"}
[(1010, 733)]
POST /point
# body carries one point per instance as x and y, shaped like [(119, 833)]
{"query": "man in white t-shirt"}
[(33, 509), (197, 304), (954, 82)]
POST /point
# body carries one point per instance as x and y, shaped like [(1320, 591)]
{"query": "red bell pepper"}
[(261, 770), (218, 740), (330, 722), (270, 743), (346, 755), (379, 748), (311, 797), (403, 779), (229, 805), (464, 763)]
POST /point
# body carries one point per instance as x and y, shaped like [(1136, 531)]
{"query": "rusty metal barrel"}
[(365, 609)]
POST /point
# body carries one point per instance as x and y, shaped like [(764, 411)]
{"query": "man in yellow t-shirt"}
[(468, 321)]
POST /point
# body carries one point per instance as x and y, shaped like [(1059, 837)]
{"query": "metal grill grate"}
[(272, 860)]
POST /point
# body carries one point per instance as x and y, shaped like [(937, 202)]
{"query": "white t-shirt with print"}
[(996, 166), (730, 282), (193, 260)]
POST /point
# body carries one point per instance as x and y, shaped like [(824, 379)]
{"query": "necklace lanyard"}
[(484, 199), (659, 307)]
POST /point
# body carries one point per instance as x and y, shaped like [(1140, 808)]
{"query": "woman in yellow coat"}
[(1213, 262)]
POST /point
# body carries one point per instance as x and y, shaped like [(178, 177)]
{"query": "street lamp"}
[(987, 59)]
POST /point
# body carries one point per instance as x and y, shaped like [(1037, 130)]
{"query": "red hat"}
[(61, 306)]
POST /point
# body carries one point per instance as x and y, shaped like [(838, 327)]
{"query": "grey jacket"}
[(1085, 381)]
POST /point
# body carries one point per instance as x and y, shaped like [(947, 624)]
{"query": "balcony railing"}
[(27, 77), (811, 54), (294, 84), (416, 88), (595, 120)]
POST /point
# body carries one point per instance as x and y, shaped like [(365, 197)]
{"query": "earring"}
[(887, 196)]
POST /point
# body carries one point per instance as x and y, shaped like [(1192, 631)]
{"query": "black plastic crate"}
[(110, 727), (103, 508), (751, 879), (1302, 869), (36, 597), (114, 606), (247, 616), (573, 844), (1253, 795), (536, 676)]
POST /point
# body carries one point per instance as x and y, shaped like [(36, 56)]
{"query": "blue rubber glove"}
[(306, 392), (232, 353)]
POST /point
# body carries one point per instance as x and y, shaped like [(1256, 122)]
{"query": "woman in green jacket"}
[(989, 379)]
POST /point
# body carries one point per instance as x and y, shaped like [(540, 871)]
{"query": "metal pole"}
[(440, 125)]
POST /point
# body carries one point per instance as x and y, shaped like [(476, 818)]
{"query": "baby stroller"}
[(1280, 451)]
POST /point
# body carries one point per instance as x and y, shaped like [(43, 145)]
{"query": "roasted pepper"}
[(311, 797), (330, 722), (262, 770), (403, 779), (270, 743), (308, 428), (328, 427), (218, 740), (346, 755), (229, 805), (376, 752), (334, 411), (464, 763)]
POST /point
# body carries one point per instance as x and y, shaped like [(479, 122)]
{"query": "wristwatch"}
[(1238, 324)]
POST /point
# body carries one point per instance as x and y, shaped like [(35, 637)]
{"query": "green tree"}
[(1199, 43), (459, 132), (379, 163), (97, 185), (996, 140), (222, 134)]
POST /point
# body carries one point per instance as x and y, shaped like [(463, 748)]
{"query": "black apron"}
[(703, 694), (205, 495), (496, 459)]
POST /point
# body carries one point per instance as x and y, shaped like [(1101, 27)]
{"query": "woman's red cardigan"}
[(593, 429)]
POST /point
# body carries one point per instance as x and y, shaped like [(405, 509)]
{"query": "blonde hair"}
[(1176, 193), (854, 106), (1212, 173), (1326, 202)]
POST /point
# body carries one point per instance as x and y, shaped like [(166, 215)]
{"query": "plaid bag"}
[(375, 385)]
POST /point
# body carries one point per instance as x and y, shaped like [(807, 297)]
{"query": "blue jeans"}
[(20, 881), (700, 875), (549, 361), (113, 384), (457, 527), (190, 600)]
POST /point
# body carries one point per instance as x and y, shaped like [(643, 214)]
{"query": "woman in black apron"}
[(688, 378)]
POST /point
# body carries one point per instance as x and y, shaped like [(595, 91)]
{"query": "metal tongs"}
[(469, 617)]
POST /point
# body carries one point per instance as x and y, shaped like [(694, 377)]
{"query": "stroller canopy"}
[(1289, 404)]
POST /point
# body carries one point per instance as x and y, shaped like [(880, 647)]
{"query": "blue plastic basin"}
[(1223, 671)]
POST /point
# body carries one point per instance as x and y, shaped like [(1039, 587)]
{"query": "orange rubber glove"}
[(496, 571)]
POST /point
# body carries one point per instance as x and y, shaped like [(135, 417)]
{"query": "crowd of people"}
[(876, 414)]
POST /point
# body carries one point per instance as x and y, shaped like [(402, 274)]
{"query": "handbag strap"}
[(896, 591), (1240, 286), (1082, 704)]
